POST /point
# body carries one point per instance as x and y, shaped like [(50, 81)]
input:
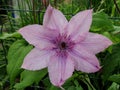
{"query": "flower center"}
[(63, 45)]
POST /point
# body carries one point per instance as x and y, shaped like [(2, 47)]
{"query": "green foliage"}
[(30, 77), (15, 57), (114, 86), (7, 35), (101, 23), (54, 88), (117, 31), (115, 78), (75, 88), (111, 62)]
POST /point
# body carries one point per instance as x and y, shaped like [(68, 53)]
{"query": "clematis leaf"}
[(114, 86), (75, 88), (115, 78), (46, 82), (78, 86), (7, 35), (30, 77), (111, 62), (72, 88), (116, 33), (54, 88), (101, 22), (15, 57)]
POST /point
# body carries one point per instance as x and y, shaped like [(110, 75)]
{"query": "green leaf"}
[(115, 78), (46, 82), (101, 22), (75, 88), (88, 83), (114, 86), (7, 35), (78, 86), (54, 88), (116, 33), (71, 88), (117, 29), (16, 54), (111, 62), (30, 77)]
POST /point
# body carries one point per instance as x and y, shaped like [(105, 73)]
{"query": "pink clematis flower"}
[(63, 46)]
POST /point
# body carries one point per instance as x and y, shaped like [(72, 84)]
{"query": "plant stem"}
[(1, 30), (118, 9), (86, 80), (90, 4), (34, 13), (21, 17), (101, 3), (4, 50)]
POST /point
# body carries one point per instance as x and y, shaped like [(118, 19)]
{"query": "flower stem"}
[(118, 9)]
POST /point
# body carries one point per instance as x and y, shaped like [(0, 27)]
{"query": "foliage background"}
[(13, 48)]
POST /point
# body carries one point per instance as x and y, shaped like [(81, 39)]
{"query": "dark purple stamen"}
[(63, 45)]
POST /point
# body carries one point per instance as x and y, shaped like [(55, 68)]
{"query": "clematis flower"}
[(63, 46)]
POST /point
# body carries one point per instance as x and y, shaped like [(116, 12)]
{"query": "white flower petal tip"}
[(59, 84), (60, 69), (109, 42), (96, 69), (88, 12), (49, 6)]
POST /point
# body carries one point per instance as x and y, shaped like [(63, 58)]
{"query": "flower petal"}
[(54, 19), (60, 69), (36, 59), (95, 43), (84, 61), (37, 35), (79, 24), (84, 66)]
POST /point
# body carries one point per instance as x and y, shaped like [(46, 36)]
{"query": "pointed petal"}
[(84, 66), (68, 69), (36, 60), (84, 61), (79, 24), (37, 35), (54, 19), (95, 43), (60, 69)]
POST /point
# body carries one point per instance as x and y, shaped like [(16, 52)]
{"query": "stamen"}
[(63, 45)]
